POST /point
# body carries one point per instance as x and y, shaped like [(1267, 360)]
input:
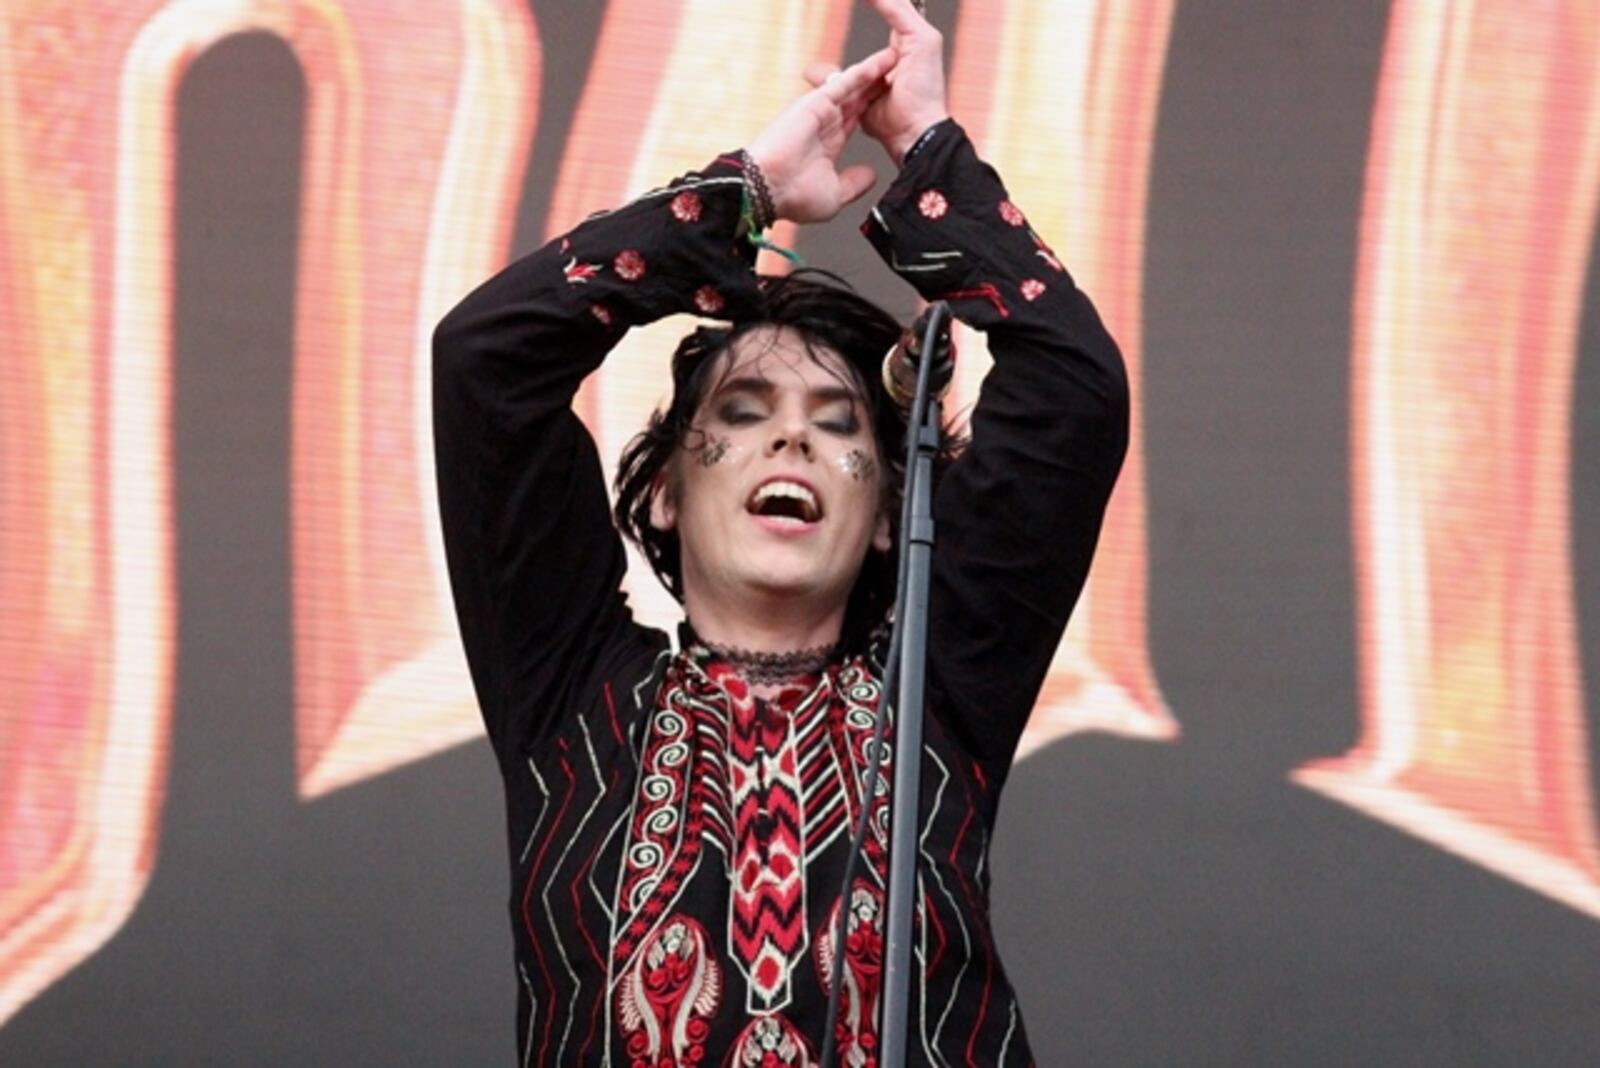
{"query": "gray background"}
[(1156, 904)]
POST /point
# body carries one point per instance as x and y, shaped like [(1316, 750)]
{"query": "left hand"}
[(798, 152), (912, 97)]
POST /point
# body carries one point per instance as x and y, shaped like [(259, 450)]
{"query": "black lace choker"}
[(761, 668)]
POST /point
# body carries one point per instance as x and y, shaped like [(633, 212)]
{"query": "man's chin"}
[(774, 586), (797, 585), (771, 575)]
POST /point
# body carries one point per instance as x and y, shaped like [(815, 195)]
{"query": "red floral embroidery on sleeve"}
[(708, 300), (1011, 213), (629, 265), (985, 291), (932, 204), (1045, 254), (1031, 289), (686, 206), (579, 273), (601, 312)]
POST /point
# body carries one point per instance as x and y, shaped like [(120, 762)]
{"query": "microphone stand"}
[(916, 534)]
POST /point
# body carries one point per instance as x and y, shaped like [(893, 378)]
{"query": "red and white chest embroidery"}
[(767, 788), (768, 911), (771, 1042), (861, 978), (665, 1002)]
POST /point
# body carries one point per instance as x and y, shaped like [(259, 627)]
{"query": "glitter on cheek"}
[(714, 451), (857, 464)]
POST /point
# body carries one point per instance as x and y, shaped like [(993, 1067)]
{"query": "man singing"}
[(680, 818)]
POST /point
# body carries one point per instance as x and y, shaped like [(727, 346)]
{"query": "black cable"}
[(858, 839)]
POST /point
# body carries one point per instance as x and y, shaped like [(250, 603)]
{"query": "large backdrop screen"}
[(1313, 774)]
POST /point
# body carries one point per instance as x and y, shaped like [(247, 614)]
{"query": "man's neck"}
[(764, 624)]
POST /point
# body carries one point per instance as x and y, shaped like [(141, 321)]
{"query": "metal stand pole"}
[(907, 752)]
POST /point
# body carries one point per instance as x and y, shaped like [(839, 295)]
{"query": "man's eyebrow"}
[(829, 394), (745, 384), (763, 388)]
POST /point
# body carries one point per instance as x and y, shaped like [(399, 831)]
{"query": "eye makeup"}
[(738, 412), (839, 419)]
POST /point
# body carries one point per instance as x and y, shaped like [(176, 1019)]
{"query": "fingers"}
[(903, 16), (841, 85), (818, 72)]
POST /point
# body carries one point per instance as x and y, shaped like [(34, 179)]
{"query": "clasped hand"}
[(892, 95)]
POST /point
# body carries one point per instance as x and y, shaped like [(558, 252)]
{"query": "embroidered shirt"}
[(677, 844)]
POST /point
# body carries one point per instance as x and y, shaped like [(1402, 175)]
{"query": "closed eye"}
[(738, 414), (839, 420)]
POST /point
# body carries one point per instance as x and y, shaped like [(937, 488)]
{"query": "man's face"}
[(778, 489)]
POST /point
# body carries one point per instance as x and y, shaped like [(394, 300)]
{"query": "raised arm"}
[(535, 563), (1018, 514)]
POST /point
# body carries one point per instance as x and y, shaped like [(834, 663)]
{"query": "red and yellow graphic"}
[(420, 117), (417, 124), (1481, 195)]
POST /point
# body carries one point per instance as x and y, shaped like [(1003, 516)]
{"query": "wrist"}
[(763, 209), (901, 146)]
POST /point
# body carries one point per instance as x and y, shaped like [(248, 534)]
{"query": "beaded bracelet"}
[(766, 212)]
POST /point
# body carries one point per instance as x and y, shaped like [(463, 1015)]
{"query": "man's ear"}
[(881, 537), (663, 512)]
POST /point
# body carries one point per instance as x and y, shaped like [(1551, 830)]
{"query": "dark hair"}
[(829, 317)]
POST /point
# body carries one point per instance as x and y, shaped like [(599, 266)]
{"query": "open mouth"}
[(782, 499)]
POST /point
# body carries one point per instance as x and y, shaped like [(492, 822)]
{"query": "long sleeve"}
[(535, 562), (1018, 514)]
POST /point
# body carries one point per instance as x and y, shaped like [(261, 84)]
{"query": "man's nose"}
[(790, 431)]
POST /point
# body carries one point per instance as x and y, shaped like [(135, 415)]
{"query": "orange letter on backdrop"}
[(1061, 96), (417, 130), (1480, 212)]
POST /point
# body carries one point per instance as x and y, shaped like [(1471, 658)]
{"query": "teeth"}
[(792, 490), (780, 488)]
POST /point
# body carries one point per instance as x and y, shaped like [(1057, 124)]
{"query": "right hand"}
[(798, 152)]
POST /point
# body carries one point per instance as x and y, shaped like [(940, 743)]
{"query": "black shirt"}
[(676, 844)]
